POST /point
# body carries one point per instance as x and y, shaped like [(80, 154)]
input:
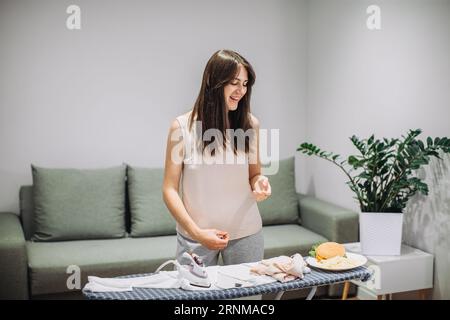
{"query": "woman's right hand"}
[(213, 239)]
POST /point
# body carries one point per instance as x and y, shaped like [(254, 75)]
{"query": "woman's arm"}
[(211, 238), (260, 184)]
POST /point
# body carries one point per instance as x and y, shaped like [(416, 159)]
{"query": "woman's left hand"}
[(261, 188)]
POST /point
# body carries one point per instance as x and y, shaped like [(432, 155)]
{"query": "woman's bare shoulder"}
[(174, 125)]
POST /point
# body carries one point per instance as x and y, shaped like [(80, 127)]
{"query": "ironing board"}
[(311, 280)]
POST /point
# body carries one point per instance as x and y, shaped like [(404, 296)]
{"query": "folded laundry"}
[(283, 268), (163, 279)]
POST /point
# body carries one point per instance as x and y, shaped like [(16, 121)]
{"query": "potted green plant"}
[(383, 179)]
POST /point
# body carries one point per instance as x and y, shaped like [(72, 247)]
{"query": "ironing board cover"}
[(315, 278)]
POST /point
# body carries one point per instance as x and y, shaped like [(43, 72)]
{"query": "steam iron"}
[(192, 274), (195, 272)]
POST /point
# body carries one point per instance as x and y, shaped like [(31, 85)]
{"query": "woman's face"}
[(236, 89)]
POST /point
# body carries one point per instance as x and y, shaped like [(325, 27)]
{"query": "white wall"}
[(383, 82), (107, 93)]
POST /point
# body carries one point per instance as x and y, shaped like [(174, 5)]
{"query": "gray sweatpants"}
[(243, 250)]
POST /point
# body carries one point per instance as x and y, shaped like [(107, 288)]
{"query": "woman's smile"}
[(236, 89), (235, 98)]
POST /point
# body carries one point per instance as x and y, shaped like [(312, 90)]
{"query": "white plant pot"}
[(380, 233)]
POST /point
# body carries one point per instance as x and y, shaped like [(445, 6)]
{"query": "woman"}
[(218, 211)]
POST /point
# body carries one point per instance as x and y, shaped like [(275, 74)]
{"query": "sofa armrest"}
[(331, 221), (13, 257)]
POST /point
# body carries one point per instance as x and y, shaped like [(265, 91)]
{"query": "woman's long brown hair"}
[(210, 107)]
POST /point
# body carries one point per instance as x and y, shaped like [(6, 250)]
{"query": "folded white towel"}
[(163, 279)]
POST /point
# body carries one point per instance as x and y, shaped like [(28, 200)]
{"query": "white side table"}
[(410, 271)]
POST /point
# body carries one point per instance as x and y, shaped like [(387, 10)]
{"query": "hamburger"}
[(329, 250)]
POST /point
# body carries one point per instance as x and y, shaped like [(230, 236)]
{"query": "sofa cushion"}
[(48, 261), (282, 206), (149, 214), (289, 239), (73, 204)]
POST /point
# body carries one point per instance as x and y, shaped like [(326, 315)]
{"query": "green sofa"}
[(40, 268)]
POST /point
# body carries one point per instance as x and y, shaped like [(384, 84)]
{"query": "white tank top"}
[(217, 194)]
